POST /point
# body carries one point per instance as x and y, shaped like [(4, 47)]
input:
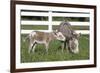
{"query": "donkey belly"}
[(40, 42)]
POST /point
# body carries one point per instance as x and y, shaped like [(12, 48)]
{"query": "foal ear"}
[(55, 32)]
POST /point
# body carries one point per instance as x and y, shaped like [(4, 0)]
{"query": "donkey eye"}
[(60, 36)]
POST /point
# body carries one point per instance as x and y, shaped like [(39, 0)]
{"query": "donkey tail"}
[(26, 38)]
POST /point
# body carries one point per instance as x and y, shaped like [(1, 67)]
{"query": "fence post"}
[(50, 21)]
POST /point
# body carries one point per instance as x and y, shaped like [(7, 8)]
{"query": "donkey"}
[(37, 37), (72, 38)]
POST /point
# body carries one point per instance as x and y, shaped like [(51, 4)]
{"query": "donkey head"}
[(74, 43), (59, 35)]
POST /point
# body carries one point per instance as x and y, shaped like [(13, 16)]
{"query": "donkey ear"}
[(79, 34), (74, 33)]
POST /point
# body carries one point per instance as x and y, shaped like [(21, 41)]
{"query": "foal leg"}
[(32, 44), (63, 45), (33, 48), (30, 47)]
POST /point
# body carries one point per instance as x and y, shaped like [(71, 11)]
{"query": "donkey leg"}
[(30, 47), (68, 46), (33, 48), (46, 45), (62, 46)]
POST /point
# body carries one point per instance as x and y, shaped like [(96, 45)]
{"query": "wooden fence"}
[(50, 22)]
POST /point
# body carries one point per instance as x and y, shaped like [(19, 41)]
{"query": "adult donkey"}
[(72, 38)]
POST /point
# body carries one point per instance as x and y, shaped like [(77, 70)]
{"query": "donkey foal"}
[(37, 37)]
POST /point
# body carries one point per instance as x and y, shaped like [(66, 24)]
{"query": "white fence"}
[(50, 23), (54, 14)]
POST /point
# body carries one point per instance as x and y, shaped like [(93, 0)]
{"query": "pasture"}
[(54, 52), (50, 20)]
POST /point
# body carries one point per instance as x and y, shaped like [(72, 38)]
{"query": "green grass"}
[(35, 27), (73, 27), (45, 27), (54, 52)]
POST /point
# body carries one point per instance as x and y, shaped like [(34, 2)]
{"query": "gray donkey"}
[(72, 38)]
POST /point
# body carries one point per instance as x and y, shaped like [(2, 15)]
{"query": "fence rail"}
[(53, 23), (29, 22), (54, 14), (78, 31)]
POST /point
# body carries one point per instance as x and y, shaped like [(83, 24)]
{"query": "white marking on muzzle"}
[(76, 50), (61, 36)]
